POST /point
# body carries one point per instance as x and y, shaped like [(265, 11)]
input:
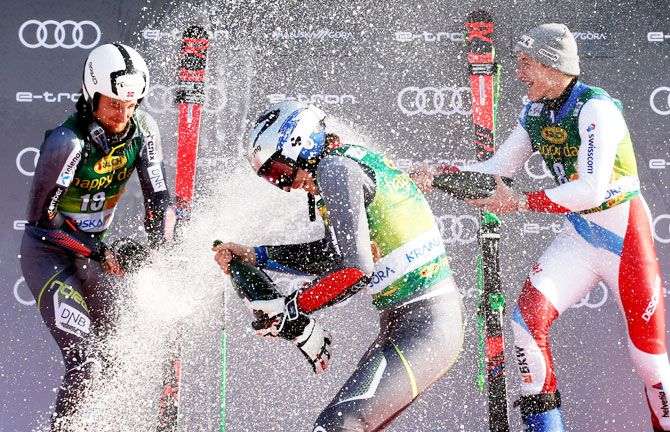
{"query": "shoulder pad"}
[(62, 137)]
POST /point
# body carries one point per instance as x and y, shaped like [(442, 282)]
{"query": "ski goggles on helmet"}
[(279, 170)]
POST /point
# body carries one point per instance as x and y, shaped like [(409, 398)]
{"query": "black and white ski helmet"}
[(117, 71)]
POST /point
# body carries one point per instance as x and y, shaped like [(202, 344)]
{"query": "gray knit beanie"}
[(552, 45)]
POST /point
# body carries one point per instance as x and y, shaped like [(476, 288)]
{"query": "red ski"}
[(484, 79), (190, 96)]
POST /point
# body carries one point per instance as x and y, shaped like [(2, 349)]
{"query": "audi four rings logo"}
[(591, 301), (434, 100), (161, 99), (662, 228), (66, 34), (458, 229), (26, 161), (535, 170), (659, 100)]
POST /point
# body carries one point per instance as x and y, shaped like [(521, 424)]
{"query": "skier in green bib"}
[(380, 236), (82, 171)]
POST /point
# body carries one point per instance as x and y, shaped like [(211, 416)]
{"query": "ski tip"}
[(479, 16), (195, 32)]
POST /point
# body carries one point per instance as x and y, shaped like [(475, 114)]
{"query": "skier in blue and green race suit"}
[(380, 235), (81, 174)]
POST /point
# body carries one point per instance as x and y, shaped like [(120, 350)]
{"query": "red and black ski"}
[(191, 97), (484, 79)]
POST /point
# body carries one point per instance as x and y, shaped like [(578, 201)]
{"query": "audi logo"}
[(662, 228), (66, 34), (458, 229), (22, 161), (588, 302), (434, 100), (161, 99), (20, 296), (537, 171), (660, 104)]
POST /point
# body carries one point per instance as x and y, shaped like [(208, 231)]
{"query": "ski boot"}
[(541, 412)]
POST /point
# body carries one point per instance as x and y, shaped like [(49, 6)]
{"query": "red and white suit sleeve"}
[(601, 128)]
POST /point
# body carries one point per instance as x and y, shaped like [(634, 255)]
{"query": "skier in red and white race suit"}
[(582, 136)]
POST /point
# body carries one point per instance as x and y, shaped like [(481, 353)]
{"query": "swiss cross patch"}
[(526, 41)]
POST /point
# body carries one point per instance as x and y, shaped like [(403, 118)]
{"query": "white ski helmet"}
[(287, 136), (117, 71)]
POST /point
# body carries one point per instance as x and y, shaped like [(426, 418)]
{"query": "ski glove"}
[(276, 318), (129, 254), (315, 344)]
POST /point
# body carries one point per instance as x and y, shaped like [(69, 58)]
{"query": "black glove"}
[(129, 254)]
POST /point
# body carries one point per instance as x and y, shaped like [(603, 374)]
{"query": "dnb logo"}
[(70, 309), (554, 134), (66, 34)]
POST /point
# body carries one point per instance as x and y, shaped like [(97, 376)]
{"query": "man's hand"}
[(130, 255), (111, 265), (226, 251), (422, 175), (274, 318), (504, 199), (270, 317), (279, 317)]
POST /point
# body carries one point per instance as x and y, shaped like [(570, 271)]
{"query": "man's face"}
[(538, 77), (114, 114), (303, 180)]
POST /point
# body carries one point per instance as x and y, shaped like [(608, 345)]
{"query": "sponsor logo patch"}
[(554, 134), (110, 163), (67, 173), (156, 177)]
